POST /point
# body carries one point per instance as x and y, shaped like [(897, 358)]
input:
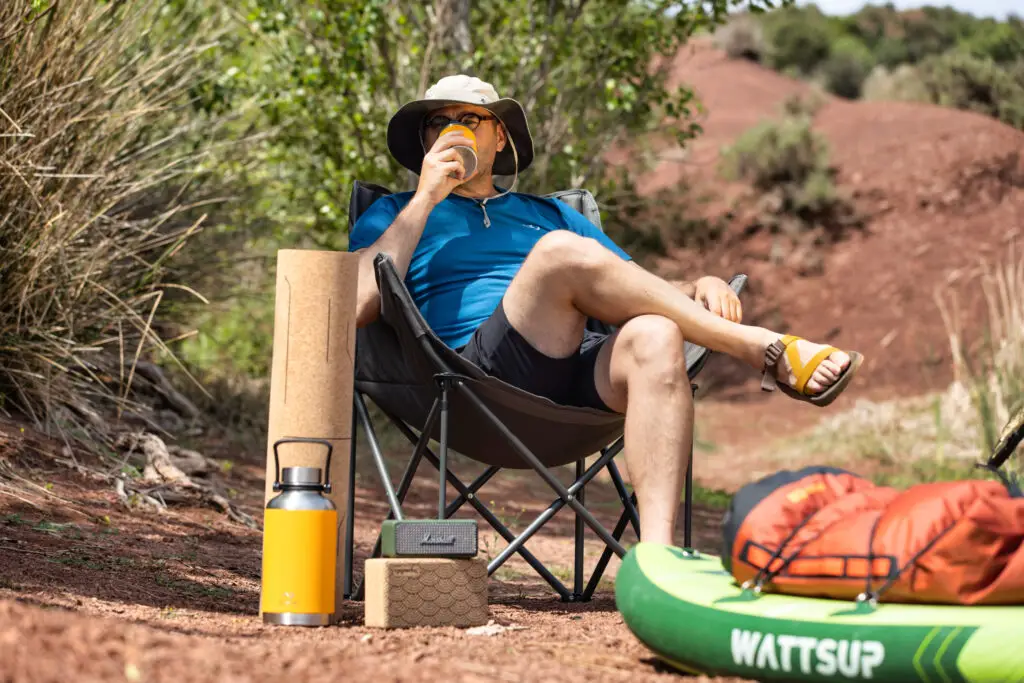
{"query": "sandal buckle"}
[(772, 354)]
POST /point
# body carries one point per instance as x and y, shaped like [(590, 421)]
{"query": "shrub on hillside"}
[(787, 164), (93, 206), (902, 84), (797, 40), (847, 67), (1002, 43), (776, 153), (741, 38), (891, 52), (963, 81), (650, 225)]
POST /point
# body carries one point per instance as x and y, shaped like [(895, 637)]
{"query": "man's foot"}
[(812, 372)]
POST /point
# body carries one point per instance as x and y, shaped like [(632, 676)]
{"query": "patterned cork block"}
[(403, 592)]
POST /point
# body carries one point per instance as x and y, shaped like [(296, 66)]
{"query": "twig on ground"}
[(171, 482)]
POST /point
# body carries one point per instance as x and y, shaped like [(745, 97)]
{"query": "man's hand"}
[(718, 297), (442, 169)]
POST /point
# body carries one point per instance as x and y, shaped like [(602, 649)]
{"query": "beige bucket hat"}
[(405, 140)]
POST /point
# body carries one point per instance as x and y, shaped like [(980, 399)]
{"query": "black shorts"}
[(500, 351)]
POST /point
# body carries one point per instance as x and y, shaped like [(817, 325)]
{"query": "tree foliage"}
[(321, 77), (312, 84), (934, 54)]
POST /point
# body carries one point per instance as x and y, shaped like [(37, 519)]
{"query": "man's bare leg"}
[(641, 371), (568, 278)]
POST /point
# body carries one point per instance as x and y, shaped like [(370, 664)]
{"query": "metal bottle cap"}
[(300, 476)]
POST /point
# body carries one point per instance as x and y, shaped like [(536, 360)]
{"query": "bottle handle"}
[(326, 487)]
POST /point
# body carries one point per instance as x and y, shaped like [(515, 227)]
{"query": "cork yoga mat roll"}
[(311, 379)]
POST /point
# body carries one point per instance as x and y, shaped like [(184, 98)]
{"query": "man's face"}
[(490, 134)]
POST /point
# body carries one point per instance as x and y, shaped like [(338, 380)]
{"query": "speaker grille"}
[(437, 539)]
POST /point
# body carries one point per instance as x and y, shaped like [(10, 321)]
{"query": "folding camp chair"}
[(430, 393)]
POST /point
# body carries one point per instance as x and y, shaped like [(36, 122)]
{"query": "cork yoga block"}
[(404, 592)]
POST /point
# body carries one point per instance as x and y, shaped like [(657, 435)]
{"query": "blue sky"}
[(982, 8)]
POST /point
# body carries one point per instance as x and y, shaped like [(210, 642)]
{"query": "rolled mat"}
[(311, 376)]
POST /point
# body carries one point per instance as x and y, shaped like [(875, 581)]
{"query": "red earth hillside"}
[(943, 190)]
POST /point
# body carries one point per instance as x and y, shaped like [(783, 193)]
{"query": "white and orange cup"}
[(468, 154)]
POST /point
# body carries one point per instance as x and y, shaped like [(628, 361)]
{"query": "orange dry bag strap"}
[(1009, 481), (765, 572), (874, 596)]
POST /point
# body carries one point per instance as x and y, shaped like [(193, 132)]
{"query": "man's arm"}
[(441, 173), (399, 242)]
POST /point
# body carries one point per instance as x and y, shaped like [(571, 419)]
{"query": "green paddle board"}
[(692, 615)]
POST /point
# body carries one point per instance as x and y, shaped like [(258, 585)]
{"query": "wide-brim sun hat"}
[(405, 127)]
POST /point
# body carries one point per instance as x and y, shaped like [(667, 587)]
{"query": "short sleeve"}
[(578, 223), (372, 224)]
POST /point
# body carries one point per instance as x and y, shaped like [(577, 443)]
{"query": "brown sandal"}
[(804, 372)]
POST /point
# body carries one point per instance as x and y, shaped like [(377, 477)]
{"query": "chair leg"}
[(442, 486), (378, 457), (471, 490), (404, 483), (516, 546), (577, 586), (467, 494), (496, 524), (350, 504), (688, 509), (602, 563), (624, 497), (688, 504), (566, 497)]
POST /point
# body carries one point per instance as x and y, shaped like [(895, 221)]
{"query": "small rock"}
[(492, 629)]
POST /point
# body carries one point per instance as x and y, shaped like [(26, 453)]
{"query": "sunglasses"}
[(471, 121)]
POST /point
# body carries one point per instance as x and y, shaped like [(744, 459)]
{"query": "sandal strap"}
[(772, 354), (807, 371)]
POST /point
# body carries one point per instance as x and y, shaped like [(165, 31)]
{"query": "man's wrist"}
[(421, 202), (688, 287)]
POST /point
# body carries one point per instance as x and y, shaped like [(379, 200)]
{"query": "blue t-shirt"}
[(461, 269)]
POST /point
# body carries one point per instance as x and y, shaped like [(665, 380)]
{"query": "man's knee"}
[(564, 251), (654, 349)]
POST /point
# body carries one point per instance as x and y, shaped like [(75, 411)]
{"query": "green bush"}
[(891, 52), (1002, 43), (963, 81), (775, 153), (787, 164), (847, 67), (803, 42), (797, 40), (927, 33)]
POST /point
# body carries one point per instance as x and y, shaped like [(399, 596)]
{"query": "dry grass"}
[(96, 201), (994, 370)]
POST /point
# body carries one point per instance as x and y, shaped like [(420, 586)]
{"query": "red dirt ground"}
[(89, 587), (92, 591)]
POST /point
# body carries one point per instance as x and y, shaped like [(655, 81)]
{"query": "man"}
[(509, 280)]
